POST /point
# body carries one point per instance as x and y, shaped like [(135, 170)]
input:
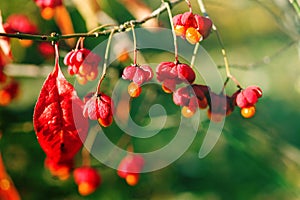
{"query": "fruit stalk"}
[(134, 45), (173, 30), (105, 63), (225, 58)]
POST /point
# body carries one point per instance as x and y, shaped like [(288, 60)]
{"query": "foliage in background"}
[(254, 159)]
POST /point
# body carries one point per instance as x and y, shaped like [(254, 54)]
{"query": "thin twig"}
[(196, 48), (134, 45), (173, 30), (105, 62)]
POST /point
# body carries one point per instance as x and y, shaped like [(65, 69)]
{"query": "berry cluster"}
[(83, 63), (130, 168), (138, 75), (197, 96), (46, 49), (192, 27), (87, 179), (246, 100), (20, 23), (99, 108), (220, 106), (8, 93), (191, 98), (172, 74), (169, 73), (48, 7)]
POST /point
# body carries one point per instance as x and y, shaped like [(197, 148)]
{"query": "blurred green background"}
[(256, 158)]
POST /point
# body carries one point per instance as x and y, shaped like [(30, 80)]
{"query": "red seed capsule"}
[(88, 180), (83, 63), (192, 27), (130, 167), (138, 74), (99, 108)]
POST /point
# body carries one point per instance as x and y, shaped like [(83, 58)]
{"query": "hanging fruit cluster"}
[(48, 7), (22, 24), (192, 27), (87, 179), (138, 75), (61, 118), (99, 107), (246, 100), (130, 167), (171, 74), (83, 63)]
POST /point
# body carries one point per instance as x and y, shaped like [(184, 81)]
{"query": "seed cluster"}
[(83, 63), (130, 167), (192, 27)]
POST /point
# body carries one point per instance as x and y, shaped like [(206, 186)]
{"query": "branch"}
[(55, 37)]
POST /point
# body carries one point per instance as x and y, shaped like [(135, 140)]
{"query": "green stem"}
[(134, 46), (226, 63), (85, 155), (173, 30), (105, 63), (56, 67), (196, 48)]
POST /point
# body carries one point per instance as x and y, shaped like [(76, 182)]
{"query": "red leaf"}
[(58, 121)]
